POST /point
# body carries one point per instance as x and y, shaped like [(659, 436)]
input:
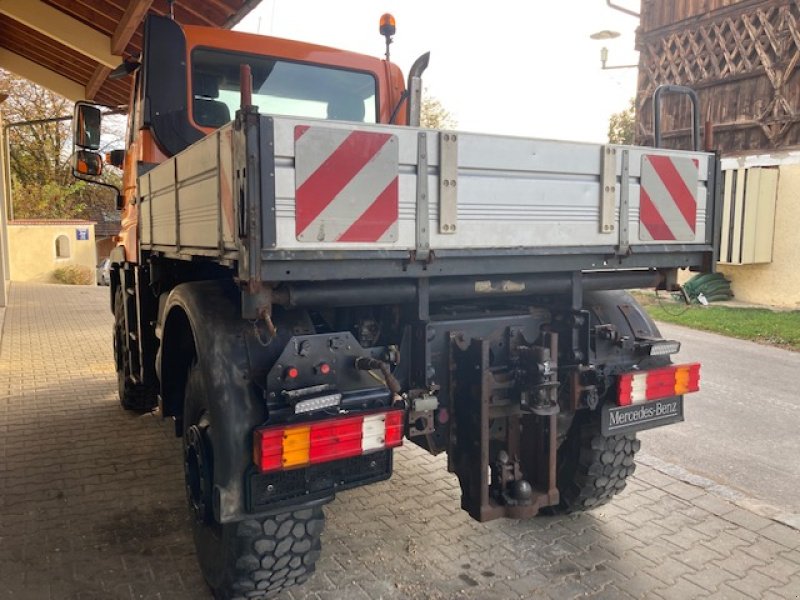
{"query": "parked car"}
[(104, 272)]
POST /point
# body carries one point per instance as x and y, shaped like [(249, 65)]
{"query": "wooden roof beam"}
[(61, 27), (97, 80), (136, 11), (241, 13), (43, 76)]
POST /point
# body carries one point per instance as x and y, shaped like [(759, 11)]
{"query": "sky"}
[(511, 67)]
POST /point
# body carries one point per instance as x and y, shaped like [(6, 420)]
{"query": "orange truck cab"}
[(189, 85)]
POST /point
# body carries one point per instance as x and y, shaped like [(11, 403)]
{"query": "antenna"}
[(171, 8)]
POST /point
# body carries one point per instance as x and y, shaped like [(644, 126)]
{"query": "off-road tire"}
[(253, 559), (264, 557), (592, 467), (133, 397)]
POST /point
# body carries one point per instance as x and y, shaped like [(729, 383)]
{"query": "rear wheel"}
[(592, 468), (255, 558), (132, 396)]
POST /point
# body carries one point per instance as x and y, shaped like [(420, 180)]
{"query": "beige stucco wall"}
[(32, 249), (4, 265), (776, 283)]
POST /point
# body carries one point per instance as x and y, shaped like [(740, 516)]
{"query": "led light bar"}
[(643, 386), (665, 347), (317, 403), (292, 446)]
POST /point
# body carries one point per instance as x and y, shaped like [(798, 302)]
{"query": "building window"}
[(62, 247)]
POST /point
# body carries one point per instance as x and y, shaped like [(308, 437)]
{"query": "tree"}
[(42, 185), (621, 125), (434, 115)]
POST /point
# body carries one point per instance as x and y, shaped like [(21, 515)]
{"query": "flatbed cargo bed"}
[(283, 197)]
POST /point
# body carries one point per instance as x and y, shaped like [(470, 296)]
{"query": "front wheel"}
[(592, 468), (256, 558)]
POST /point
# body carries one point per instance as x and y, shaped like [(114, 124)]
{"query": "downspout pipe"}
[(622, 9)]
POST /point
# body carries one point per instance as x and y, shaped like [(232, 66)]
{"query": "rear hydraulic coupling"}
[(538, 380), (423, 405), (367, 363)]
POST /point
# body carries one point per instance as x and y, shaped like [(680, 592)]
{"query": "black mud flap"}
[(271, 492), (637, 417)]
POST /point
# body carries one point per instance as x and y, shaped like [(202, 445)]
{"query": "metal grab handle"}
[(676, 89)]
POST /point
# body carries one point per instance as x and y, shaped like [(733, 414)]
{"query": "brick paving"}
[(92, 506)]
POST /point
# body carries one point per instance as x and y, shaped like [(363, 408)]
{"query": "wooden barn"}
[(742, 57)]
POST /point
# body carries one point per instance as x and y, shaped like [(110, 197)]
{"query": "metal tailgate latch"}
[(448, 180)]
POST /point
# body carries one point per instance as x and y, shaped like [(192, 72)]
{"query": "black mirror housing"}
[(116, 158), (86, 126)]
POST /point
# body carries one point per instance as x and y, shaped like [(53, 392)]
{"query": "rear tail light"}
[(643, 386), (291, 446)]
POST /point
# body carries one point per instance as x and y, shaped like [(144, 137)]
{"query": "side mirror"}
[(86, 163), (86, 126)]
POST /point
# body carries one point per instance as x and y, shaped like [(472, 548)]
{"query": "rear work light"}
[(317, 403), (291, 446), (663, 347), (643, 386)]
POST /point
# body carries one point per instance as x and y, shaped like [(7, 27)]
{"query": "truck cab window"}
[(280, 88)]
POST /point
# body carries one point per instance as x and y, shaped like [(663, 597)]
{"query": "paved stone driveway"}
[(91, 505)]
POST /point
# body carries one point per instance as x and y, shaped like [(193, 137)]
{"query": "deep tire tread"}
[(598, 468), (274, 553), (136, 398)]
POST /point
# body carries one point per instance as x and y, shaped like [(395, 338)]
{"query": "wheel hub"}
[(197, 466)]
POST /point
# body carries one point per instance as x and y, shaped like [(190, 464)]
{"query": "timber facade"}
[(740, 56)]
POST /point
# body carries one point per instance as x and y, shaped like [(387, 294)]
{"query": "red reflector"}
[(324, 368), (394, 428), (292, 373), (268, 448), (660, 383), (339, 438), (625, 387)]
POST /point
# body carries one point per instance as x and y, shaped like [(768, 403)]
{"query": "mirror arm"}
[(119, 203), (403, 98)]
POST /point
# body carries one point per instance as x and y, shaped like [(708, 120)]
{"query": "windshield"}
[(280, 87)]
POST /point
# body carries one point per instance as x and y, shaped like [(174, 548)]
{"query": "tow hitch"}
[(503, 437)]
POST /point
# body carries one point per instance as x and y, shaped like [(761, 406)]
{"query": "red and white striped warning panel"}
[(346, 185), (668, 198)]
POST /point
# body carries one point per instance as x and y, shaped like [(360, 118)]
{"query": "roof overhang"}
[(71, 47)]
